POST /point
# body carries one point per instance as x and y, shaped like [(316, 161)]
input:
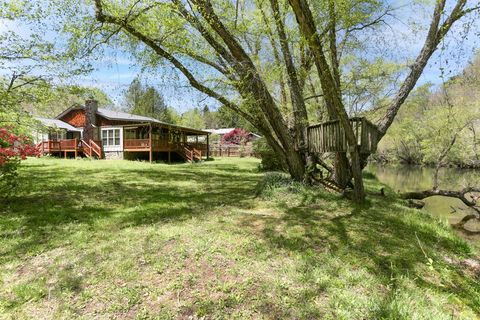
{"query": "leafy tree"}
[(432, 118), (13, 149), (134, 94), (54, 99), (236, 136), (192, 119), (210, 118), (229, 119), (146, 101), (172, 116), (258, 62), (30, 63)]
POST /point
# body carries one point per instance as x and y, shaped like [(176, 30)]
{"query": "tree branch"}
[(102, 17), (299, 110), (435, 34)]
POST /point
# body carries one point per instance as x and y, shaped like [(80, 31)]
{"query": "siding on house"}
[(75, 118)]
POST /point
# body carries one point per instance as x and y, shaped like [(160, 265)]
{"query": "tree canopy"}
[(432, 117), (280, 65)]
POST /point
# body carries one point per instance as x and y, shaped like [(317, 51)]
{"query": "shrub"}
[(275, 181), (236, 136), (270, 161), (13, 149)]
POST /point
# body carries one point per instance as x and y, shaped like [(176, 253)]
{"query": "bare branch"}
[(435, 34)]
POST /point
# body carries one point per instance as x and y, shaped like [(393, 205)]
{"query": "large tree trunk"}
[(296, 165), (343, 173), (358, 190)]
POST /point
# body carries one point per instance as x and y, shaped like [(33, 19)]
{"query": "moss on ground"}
[(118, 239)]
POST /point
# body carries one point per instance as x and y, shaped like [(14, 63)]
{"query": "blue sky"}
[(115, 70)]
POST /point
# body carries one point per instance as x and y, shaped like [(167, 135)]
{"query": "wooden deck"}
[(190, 152), (76, 146), (330, 137)]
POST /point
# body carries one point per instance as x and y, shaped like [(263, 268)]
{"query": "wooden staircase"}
[(91, 149), (331, 185), (189, 154)]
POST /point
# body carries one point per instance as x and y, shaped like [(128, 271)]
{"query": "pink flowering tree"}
[(236, 136), (13, 149)]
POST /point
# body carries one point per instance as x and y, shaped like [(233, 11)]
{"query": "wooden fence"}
[(231, 151)]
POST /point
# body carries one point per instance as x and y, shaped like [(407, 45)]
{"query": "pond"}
[(416, 178)]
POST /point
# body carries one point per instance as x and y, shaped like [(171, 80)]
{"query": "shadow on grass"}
[(54, 198), (382, 236)]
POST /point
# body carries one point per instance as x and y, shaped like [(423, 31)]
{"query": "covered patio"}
[(190, 144)]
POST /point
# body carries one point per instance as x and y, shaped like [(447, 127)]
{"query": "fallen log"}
[(461, 194), (415, 196)]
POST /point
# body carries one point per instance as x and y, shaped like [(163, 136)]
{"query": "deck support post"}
[(208, 147), (150, 143), (169, 156)]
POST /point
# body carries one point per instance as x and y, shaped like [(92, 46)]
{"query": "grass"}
[(117, 239)]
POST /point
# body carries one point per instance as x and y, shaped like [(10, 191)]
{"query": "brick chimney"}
[(90, 130)]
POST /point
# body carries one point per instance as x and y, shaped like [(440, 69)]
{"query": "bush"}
[(273, 182), (270, 161), (236, 136), (13, 149)]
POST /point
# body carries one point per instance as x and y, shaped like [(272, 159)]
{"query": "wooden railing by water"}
[(330, 136)]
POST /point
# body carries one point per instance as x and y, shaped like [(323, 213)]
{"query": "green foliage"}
[(147, 101), (431, 118), (54, 99), (8, 177), (192, 119), (270, 160), (276, 182), (226, 118)]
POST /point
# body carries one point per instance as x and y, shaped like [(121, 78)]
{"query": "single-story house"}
[(97, 132)]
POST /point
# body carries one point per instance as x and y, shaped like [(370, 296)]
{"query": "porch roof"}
[(55, 123), (124, 116)]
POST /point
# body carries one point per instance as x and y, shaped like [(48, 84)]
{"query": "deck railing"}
[(160, 143), (198, 145), (330, 136), (136, 143), (69, 144), (144, 144), (96, 146), (50, 146)]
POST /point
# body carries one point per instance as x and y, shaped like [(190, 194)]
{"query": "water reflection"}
[(414, 178)]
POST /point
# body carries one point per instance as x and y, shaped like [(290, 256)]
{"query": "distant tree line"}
[(146, 100), (438, 122)]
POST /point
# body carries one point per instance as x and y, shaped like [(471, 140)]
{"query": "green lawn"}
[(117, 239)]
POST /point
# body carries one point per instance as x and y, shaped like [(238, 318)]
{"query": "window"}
[(111, 137)]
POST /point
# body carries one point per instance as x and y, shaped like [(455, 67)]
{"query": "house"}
[(103, 133)]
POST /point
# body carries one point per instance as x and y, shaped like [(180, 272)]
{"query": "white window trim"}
[(112, 148)]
